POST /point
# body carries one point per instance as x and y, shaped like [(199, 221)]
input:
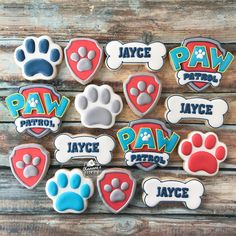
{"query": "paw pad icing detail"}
[(69, 191), (38, 58), (116, 188), (142, 92), (29, 163), (98, 106), (84, 58), (202, 153)]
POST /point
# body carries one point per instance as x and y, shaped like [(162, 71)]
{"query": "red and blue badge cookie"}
[(84, 58), (200, 62), (147, 143), (142, 92), (37, 109), (29, 164), (202, 153), (116, 188), (38, 58)]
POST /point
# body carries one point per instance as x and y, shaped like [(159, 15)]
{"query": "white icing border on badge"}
[(218, 107), (192, 191), (154, 62), (103, 155)]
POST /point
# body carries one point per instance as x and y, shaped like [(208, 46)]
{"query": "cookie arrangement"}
[(147, 143)]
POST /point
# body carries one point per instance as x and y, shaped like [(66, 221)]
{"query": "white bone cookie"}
[(119, 53), (84, 146), (189, 192), (212, 111)]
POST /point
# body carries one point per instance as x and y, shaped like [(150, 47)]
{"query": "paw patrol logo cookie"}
[(29, 163), (142, 92), (83, 58), (37, 109), (200, 62), (147, 143)]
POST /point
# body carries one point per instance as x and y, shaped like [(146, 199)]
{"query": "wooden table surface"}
[(30, 212)]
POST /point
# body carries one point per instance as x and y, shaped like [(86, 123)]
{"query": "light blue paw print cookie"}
[(69, 191)]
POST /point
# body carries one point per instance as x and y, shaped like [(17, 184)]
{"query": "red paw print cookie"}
[(202, 153)]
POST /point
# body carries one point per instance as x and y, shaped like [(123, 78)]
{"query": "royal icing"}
[(38, 109), (84, 58), (69, 191), (189, 192), (202, 153), (84, 146), (116, 188), (200, 62), (212, 111), (38, 58), (98, 106), (119, 53), (29, 164), (142, 92), (147, 143)]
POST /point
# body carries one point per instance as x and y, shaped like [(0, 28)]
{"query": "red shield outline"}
[(34, 150), (132, 82), (90, 44), (106, 177)]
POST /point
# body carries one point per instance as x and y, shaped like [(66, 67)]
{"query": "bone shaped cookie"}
[(119, 53), (189, 192), (212, 111)]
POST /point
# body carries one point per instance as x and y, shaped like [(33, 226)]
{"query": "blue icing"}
[(62, 180), (20, 55), (69, 200), (75, 181), (54, 55), (52, 188), (85, 190), (30, 45), (43, 46)]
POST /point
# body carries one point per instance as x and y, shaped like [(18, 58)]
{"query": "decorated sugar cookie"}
[(118, 53), (98, 106), (69, 191), (202, 153), (147, 143), (38, 109), (84, 146), (116, 188), (38, 58), (200, 62), (84, 58), (189, 192), (29, 163), (142, 92), (212, 111)]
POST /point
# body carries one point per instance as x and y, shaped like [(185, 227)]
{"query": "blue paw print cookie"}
[(38, 57), (69, 191)]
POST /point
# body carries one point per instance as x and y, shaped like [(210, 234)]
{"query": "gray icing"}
[(30, 171), (141, 86), (98, 115), (105, 96), (115, 183), (117, 196)]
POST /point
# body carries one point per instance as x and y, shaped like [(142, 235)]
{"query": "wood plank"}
[(10, 74), (9, 138), (50, 225), (219, 198), (166, 20)]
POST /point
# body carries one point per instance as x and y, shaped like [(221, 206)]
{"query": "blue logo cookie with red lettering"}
[(200, 62), (38, 109), (147, 143)]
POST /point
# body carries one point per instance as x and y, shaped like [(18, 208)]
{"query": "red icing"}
[(210, 141), (197, 140)]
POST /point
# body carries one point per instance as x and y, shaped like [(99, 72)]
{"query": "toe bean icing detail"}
[(29, 164), (38, 58), (98, 106), (69, 191), (202, 153)]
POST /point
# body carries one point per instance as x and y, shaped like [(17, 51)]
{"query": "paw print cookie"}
[(38, 58), (202, 153), (142, 92), (98, 106), (29, 164), (69, 191), (84, 58), (116, 188)]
